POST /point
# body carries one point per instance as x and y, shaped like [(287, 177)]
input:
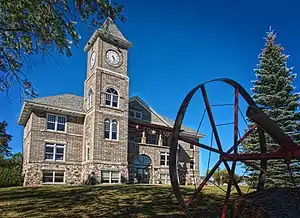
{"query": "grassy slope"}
[(103, 201)]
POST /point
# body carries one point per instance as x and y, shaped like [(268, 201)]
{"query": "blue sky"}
[(176, 45)]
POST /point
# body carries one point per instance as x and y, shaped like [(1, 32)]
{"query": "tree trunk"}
[(268, 203)]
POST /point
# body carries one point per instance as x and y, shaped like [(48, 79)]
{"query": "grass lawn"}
[(103, 201)]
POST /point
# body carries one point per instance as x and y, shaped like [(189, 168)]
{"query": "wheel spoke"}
[(242, 139), (233, 179), (211, 118), (194, 142), (191, 141), (200, 187)]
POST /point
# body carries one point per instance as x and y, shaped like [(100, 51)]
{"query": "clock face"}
[(92, 60), (113, 58)]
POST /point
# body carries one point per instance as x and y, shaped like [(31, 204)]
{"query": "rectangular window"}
[(56, 122), (114, 130), (152, 139), (165, 178), (110, 176), (107, 129), (115, 177), (191, 146), (164, 159), (192, 164), (52, 177), (135, 114), (54, 151), (166, 140)]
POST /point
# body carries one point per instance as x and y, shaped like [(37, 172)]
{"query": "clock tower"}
[(106, 104)]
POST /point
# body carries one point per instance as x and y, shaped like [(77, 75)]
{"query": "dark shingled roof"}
[(65, 101), (75, 103), (184, 128), (110, 28)]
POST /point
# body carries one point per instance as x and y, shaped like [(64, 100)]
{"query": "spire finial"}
[(270, 28)]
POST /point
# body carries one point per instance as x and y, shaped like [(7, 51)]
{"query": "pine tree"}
[(274, 93), (4, 140)]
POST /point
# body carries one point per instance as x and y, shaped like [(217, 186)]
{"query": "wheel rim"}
[(239, 90)]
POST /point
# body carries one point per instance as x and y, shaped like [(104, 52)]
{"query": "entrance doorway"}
[(141, 168)]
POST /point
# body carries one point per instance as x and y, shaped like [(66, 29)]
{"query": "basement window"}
[(110, 176), (53, 177)]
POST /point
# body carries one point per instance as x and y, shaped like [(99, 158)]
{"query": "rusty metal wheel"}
[(224, 156)]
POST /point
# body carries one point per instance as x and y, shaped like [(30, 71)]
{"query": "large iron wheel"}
[(224, 156)]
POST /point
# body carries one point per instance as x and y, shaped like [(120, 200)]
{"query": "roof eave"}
[(29, 106), (106, 36)]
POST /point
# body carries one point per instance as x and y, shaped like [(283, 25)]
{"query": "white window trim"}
[(111, 97), (54, 145), (166, 178), (110, 172), (134, 114), (166, 154), (53, 177), (194, 165), (110, 130), (56, 115)]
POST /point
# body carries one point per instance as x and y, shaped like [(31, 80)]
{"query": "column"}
[(143, 140)]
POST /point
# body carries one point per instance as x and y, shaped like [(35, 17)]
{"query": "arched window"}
[(111, 129), (111, 97), (90, 97)]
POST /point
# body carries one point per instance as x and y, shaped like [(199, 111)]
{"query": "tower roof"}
[(108, 31)]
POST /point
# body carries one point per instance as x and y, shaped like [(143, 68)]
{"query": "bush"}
[(11, 171)]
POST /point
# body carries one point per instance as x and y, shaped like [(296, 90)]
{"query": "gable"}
[(148, 114)]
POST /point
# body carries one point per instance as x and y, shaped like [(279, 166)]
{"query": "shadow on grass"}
[(102, 201)]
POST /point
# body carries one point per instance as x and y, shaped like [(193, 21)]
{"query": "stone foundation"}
[(33, 173), (94, 169)]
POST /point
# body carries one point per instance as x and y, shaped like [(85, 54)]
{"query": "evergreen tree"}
[(274, 93), (4, 140)]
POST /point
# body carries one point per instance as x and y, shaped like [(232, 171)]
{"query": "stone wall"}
[(34, 173), (96, 168), (40, 135), (186, 175)]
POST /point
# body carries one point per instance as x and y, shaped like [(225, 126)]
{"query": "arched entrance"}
[(141, 168)]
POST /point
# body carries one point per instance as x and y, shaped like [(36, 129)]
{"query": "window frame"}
[(166, 159), (53, 177), (166, 178), (55, 146), (111, 97), (110, 131), (134, 114), (110, 177), (90, 98), (192, 163), (56, 122), (151, 137)]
